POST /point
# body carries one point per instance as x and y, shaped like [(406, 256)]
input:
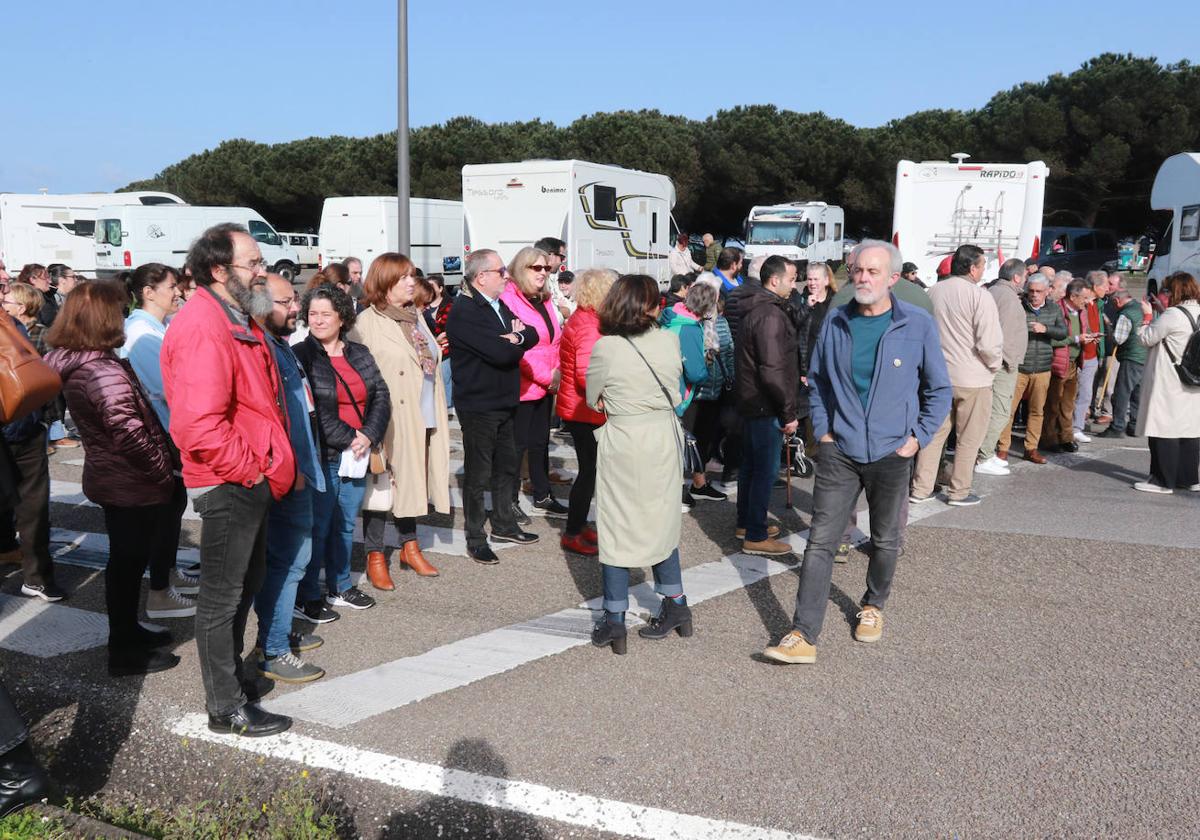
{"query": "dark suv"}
[(1078, 249)]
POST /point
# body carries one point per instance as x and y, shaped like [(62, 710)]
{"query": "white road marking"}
[(37, 628), (535, 800)]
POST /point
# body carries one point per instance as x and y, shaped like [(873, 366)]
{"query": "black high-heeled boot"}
[(22, 779), (671, 616), (610, 632)]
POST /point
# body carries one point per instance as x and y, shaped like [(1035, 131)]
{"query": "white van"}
[(365, 226), (307, 245), (50, 229), (1177, 188), (609, 217), (800, 230), (129, 236), (941, 205)]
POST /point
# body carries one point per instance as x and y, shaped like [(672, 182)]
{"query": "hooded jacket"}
[(767, 361), (580, 335), (129, 460)]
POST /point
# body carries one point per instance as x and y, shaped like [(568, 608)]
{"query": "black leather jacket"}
[(335, 435)]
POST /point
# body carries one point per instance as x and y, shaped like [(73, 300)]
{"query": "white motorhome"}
[(50, 229), (800, 230), (1177, 188), (307, 245), (941, 205), (609, 217), (365, 226), (128, 236)]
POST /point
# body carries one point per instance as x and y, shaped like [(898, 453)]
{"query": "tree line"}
[(1103, 130)]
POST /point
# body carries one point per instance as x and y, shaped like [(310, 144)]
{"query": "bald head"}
[(284, 308)]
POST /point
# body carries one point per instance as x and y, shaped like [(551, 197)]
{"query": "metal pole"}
[(403, 185)]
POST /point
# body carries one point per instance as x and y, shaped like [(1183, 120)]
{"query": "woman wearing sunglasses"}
[(527, 295)]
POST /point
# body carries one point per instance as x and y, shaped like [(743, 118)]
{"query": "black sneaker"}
[(50, 592), (708, 492), (352, 598), (688, 501), (315, 612), (1110, 432), (966, 501), (301, 642), (1069, 446), (520, 537), (520, 515), (1130, 431), (551, 507)]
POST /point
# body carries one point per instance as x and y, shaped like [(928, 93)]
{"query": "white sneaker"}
[(167, 603), (1151, 487), (992, 466), (1195, 488), (1080, 437)]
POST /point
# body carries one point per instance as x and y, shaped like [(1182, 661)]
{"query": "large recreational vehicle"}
[(609, 217), (1177, 188), (801, 230), (941, 205), (365, 226), (128, 236), (50, 229)]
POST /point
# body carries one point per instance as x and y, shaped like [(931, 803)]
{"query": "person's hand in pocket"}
[(909, 448)]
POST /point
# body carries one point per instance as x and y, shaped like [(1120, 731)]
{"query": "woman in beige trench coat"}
[(417, 444), (1169, 412), (633, 378)]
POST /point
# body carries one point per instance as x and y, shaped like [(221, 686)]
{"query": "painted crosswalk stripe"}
[(36, 628), (591, 812)]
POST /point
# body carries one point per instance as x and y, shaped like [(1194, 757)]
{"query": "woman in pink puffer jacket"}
[(527, 295)]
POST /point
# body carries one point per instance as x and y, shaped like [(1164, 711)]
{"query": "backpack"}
[(1188, 365)]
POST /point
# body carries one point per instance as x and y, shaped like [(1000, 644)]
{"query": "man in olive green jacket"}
[(1046, 325)]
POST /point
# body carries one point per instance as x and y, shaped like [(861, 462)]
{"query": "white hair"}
[(897, 261)]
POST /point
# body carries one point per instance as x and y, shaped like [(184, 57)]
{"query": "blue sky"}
[(100, 94)]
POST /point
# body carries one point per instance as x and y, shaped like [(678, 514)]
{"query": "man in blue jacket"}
[(879, 392)]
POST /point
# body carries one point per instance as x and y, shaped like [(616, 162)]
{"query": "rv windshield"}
[(262, 232), (108, 232), (780, 233)]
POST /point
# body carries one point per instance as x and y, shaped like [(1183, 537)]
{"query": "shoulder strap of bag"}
[(1192, 321), (349, 393), (665, 393)]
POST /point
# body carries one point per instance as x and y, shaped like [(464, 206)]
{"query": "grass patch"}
[(25, 825)]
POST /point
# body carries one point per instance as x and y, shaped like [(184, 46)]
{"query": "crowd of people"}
[(284, 417)]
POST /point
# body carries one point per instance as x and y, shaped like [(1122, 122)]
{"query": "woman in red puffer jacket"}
[(580, 334), (130, 469)]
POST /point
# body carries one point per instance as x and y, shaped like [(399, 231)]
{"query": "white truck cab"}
[(799, 230)]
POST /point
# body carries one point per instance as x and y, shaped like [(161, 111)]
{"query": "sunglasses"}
[(539, 268)]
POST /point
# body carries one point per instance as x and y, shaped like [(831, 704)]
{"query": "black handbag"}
[(685, 441)]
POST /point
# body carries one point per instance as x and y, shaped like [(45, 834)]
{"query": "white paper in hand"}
[(351, 467)]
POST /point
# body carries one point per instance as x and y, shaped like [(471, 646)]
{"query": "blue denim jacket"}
[(910, 390), (300, 415)]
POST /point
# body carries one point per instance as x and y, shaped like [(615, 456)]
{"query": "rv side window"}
[(821, 232), (85, 228), (108, 232), (653, 228), (837, 230), (1189, 224), (262, 232), (316, 241), (605, 199)]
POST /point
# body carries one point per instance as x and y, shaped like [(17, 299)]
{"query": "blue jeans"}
[(668, 582), (762, 443), (289, 550), (449, 386), (333, 512)]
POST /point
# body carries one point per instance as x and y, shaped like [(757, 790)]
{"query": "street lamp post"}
[(403, 185)]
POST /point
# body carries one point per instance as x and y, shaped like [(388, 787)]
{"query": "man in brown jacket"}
[(1006, 292), (969, 327)]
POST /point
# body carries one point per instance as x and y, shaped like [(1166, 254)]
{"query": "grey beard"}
[(254, 301)]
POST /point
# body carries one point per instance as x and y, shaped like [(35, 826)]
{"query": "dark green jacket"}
[(1039, 354), (1132, 350), (710, 255)]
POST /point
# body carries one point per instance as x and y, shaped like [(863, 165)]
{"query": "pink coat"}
[(540, 361)]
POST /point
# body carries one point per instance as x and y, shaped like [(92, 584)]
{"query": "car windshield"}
[(780, 233), (262, 232)]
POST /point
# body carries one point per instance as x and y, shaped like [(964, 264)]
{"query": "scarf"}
[(406, 317)]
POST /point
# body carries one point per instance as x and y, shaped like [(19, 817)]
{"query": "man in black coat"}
[(486, 346)]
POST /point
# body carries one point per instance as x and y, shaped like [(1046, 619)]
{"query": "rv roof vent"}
[(959, 157)]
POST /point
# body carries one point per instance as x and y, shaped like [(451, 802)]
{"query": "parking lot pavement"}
[(1036, 677)]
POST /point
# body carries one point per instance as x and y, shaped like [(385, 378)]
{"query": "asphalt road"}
[(1037, 677)]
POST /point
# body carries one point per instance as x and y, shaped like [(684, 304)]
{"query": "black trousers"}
[(12, 726), (375, 525), (32, 514), (584, 488), (705, 425), (1175, 462), (133, 543), (532, 432), (489, 463), (164, 538)]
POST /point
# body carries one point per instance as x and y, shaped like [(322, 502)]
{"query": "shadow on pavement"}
[(443, 817)]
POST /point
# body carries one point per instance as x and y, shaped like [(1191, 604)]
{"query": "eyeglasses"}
[(286, 304), (539, 268), (254, 265), (502, 271)]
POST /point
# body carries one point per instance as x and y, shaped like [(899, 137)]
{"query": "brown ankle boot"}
[(377, 571), (411, 556)]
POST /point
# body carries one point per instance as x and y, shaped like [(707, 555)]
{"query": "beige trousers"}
[(970, 411)]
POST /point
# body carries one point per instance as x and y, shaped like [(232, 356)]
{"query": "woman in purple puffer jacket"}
[(129, 468)]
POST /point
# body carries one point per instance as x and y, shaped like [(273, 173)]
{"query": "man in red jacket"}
[(228, 420)]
